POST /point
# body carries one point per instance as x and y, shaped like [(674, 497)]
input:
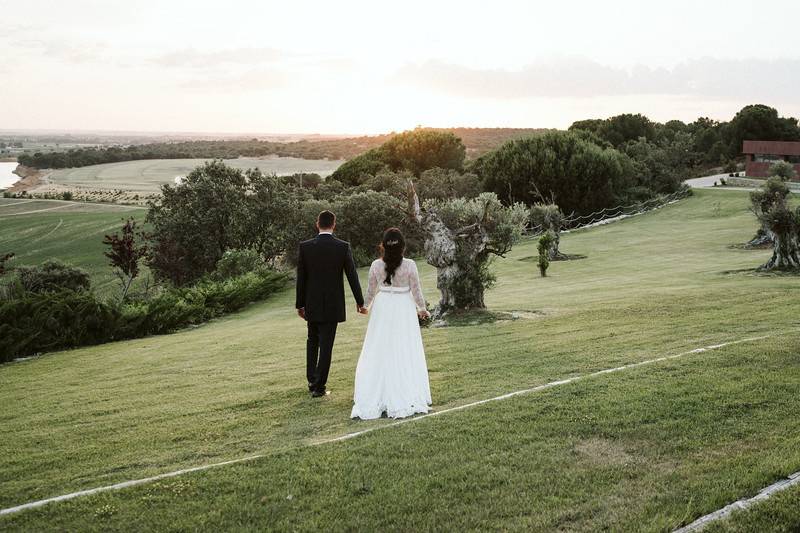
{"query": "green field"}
[(147, 176), (648, 448), (37, 230)]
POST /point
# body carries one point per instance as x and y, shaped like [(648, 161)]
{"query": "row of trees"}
[(702, 142), (696, 145)]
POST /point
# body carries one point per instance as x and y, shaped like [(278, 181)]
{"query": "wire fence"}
[(611, 214)]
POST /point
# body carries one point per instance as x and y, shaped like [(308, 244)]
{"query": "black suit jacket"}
[(320, 287)]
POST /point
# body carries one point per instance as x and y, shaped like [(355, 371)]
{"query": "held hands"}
[(361, 309)]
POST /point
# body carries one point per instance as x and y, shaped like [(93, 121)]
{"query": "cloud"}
[(249, 81), (64, 50), (582, 78), (192, 58)]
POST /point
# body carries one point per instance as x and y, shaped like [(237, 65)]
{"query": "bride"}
[(392, 375)]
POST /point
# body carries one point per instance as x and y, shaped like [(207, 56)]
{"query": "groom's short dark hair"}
[(326, 220)]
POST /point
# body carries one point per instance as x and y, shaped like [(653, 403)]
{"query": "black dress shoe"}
[(319, 393)]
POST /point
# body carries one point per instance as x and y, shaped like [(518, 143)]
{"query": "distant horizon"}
[(111, 132)]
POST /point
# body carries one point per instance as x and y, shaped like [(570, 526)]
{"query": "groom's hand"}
[(302, 313), (361, 309)]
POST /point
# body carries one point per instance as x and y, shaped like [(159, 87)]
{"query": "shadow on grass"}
[(746, 246), (757, 272), (483, 316), (562, 257)]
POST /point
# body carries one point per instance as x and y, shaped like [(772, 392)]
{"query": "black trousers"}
[(319, 347)]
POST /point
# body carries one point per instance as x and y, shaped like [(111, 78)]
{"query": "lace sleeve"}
[(372, 284), (416, 286)]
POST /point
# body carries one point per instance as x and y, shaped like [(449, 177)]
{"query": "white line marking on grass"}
[(4, 204), (60, 222), (348, 436), (69, 204), (744, 503), (37, 211)]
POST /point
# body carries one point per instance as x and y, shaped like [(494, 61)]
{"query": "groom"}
[(320, 296)]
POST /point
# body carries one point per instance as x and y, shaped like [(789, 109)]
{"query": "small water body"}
[(7, 176)]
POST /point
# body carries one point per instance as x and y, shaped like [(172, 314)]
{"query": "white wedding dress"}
[(392, 375)]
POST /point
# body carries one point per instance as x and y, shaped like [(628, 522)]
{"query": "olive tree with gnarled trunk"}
[(762, 201), (783, 224), (461, 237)]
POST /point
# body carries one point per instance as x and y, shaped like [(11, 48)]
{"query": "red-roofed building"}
[(760, 155)]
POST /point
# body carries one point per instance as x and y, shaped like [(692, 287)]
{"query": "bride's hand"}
[(423, 314)]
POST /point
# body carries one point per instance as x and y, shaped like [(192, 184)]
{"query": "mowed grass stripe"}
[(649, 449)]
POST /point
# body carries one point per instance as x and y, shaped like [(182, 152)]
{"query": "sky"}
[(359, 67)]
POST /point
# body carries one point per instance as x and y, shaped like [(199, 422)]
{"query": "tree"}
[(416, 151), (544, 246), (196, 221), (362, 218), (762, 201), (661, 167), (619, 129), (758, 122), (783, 170), (784, 224), (126, 252), (461, 237), (358, 169), (561, 167), (421, 149), (549, 219), (271, 211), (445, 184)]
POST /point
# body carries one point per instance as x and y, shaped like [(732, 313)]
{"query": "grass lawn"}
[(36, 230), (650, 448), (147, 176)]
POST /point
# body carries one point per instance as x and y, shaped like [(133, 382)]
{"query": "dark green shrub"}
[(53, 276), (545, 243), (40, 322), (180, 307)]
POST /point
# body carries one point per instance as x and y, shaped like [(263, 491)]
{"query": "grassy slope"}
[(148, 175), (665, 444), (70, 231)]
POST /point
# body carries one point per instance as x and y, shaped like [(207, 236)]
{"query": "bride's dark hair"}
[(393, 245)]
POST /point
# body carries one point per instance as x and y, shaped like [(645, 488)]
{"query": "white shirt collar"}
[(326, 232)]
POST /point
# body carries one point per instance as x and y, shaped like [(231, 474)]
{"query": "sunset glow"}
[(367, 67)]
